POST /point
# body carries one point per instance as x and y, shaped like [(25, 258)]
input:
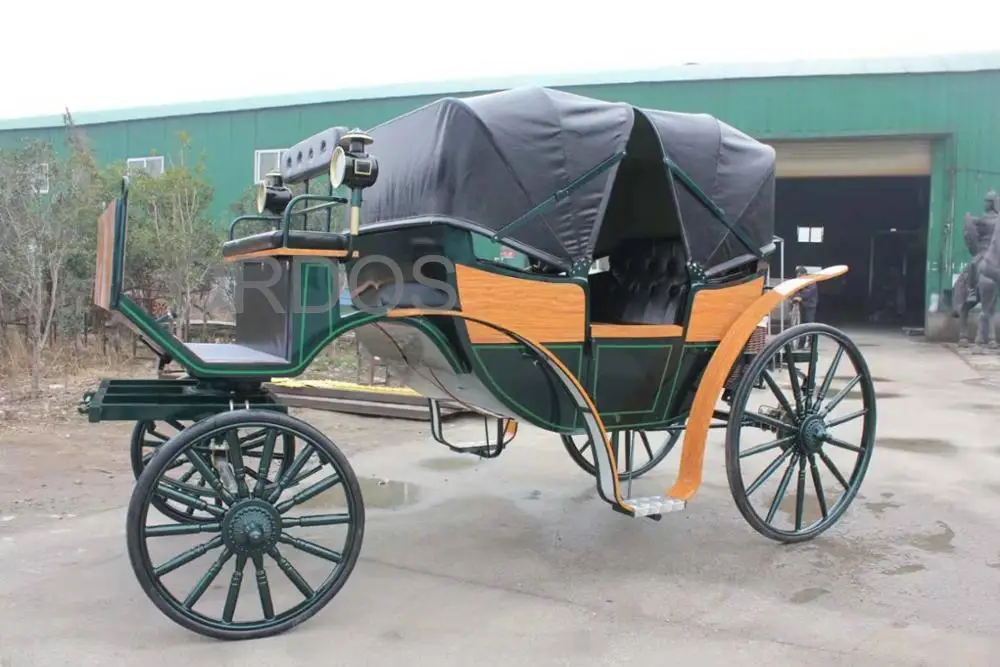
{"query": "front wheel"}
[(813, 429), (306, 518)]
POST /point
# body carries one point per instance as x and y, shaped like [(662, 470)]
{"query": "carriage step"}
[(654, 506)]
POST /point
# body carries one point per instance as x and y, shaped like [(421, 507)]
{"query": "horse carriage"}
[(680, 209)]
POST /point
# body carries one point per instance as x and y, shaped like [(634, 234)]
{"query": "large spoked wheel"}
[(306, 518), (149, 436), (816, 421), (647, 450)]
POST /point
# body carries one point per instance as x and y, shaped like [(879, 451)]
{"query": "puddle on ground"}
[(810, 506), (918, 445), (936, 542), (457, 462), (377, 493), (993, 488), (980, 407), (808, 595), (879, 508), (905, 569)]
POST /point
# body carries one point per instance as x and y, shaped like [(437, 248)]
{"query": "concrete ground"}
[(515, 560)]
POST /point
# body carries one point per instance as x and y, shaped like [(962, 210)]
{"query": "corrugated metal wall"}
[(960, 107)]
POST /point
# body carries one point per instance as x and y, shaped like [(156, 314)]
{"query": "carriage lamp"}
[(353, 167), (272, 194)]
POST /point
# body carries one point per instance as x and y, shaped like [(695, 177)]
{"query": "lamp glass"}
[(338, 167)]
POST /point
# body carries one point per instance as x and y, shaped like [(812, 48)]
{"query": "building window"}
[(152, 165), (810, 234), (40, 178), (266, 161)]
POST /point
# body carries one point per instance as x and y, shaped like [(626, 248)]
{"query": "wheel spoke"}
[(837, 442), (779, 495), (833, 469), (236, 459), (818, 484), (171, 529), (311, 548), (800, 494), (235, 583), (263, 588), (764, 476), (835, 401), (265, 463), (189, 502), (314, 520), (209, 476), (186, 557), (207, 579), (290, 572), (843, 420), (793, 378), (308, 493), (767, 446), (768, 420), (776, 390), (811, 377), (646, 445), (289, 475), (830, 373)]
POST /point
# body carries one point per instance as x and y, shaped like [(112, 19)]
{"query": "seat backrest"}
[(650, 281)]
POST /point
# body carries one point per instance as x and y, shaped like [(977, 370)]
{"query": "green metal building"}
[(878, 161)]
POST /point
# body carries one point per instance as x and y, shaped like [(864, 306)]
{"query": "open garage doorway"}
[(877, 226)]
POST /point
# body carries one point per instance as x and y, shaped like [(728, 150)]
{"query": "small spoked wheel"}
[(814, 423), (637, 452), (149, 436), (305, 520)]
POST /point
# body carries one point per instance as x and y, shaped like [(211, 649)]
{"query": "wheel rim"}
[(813, 421), (148, 437), (260, 522), (648, 449)]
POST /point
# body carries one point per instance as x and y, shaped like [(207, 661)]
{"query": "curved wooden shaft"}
[(714, 377), (607, 480)]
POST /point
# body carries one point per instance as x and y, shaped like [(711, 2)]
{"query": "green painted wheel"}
[(149, 436), (804, 424), (307, 518), (648, 450)]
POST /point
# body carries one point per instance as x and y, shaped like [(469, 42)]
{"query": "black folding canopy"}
[(534, 167)]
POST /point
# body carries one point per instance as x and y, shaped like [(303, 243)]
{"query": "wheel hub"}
[(811, 434), (251, 526)]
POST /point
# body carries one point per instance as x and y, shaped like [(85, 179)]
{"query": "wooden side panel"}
[(105, 255), (543, 311), (635, 331), (714, 311)]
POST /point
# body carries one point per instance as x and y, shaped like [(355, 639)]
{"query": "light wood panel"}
[(105, 256), (635, 331), (544, 311), (287, 252), (713, 311)]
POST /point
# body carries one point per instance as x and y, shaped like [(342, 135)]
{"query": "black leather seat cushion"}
[(297, 239), (411, 295), (647, 284)]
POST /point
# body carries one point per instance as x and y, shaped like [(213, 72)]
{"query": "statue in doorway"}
[(979, 280)]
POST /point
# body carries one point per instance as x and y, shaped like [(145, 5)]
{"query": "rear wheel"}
[(647, 450), (818, 432)]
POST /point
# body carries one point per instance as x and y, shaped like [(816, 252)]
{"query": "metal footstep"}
[(655, 506), (490, 448)]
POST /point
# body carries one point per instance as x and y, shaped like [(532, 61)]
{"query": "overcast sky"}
[(102, 54)]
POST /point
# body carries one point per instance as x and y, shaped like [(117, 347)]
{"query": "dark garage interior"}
[(877, 226)]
